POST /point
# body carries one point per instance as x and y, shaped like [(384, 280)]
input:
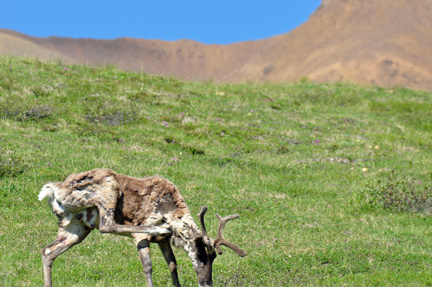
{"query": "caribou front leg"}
[(167, 252), (108, 225), (143, 247)]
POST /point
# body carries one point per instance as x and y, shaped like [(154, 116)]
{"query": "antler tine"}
[(201, 216), (220, 240)]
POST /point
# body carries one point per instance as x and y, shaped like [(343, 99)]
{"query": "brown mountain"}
[(374, 42), (184, 58), (383, 42)]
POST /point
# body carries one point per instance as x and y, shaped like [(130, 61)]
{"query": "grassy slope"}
[(290, 159)]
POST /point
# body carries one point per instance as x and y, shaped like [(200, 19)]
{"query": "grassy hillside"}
[(332, 182)]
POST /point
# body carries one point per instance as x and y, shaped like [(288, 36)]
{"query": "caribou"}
[(150, 210)]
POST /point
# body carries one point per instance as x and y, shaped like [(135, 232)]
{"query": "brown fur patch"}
[(144, 197)]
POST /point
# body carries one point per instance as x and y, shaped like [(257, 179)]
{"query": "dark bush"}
[(399, 194), (111, 119), (21, 111), (114, 114), (38, 112)]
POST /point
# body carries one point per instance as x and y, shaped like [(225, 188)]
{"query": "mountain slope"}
[(16, 44), (184, 58), (379, 42), (373, 42)]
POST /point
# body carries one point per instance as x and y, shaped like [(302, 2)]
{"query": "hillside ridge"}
[(375, 42)]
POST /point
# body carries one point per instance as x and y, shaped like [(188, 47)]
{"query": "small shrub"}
[(22, 111), (400, 195), (115, 118), (196, 151), (11, 110), (113, 114), (8, 190), (38, 112), (11, 164)]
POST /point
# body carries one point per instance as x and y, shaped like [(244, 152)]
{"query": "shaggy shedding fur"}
[(148, 209)]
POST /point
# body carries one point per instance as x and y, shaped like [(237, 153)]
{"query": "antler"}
[(220, 240)]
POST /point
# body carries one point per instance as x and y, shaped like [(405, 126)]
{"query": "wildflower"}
[(165, 124), (65, 69), (174, 159), (419, 182), (362, 131), (365, 169), (317, 141), (49, 163)]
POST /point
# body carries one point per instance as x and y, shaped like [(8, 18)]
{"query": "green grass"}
[(306, 166)]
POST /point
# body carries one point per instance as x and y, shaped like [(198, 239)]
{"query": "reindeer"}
[(147, 209)]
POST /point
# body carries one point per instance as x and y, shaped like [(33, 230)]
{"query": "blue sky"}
[(220, 22)]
